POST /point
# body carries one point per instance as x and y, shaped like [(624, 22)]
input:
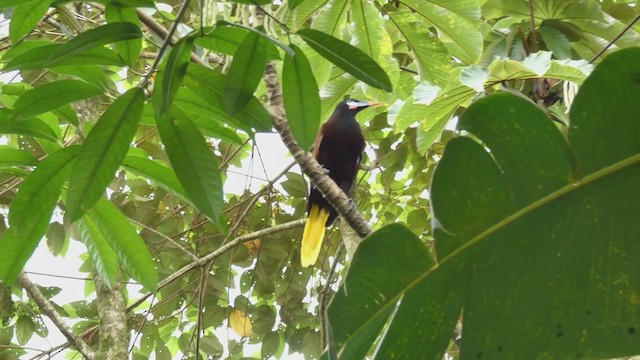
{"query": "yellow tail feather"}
[(313, 235)]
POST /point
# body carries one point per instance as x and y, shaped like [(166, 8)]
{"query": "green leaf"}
[(451, 20), (556, 41), (194, 164), (103, 151), (104, 258), (348, 58), (11, 3), (89, 73), (25, 17), (130, 49), (38, 57), (301, 98), (272, 52), (51, 96), (125, 241), (25, 327), (29, 127), (57, 239), (97, 37), (201, 113), (245, 73), (16, 157), (156, 172), (171, 76), (474, 77), (209, 85), (129, 3), (31, 210), (547, 217)]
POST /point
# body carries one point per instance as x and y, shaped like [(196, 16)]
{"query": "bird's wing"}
[(355, 174)]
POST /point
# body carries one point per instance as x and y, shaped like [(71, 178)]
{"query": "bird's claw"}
[(325, 170)]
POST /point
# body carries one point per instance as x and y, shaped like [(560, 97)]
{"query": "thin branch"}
[(332, 193), (47, 308), (534, 40), (220, 251)]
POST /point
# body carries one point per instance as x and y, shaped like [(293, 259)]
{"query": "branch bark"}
[(114, 334), (334, 195), (47, 308)]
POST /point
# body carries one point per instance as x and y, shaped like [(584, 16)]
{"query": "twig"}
[(47, 308), (332, 193)]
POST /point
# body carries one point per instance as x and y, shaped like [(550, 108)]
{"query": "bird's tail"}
[(313, 235)]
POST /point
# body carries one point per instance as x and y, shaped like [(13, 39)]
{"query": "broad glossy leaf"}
[(51, 96), (25, 17), (126, 242), (10, 3), (348, 58), (102, 152), (156, 172), (38, 57), (130, 49), (97, 37), (272, 52), (103, 257), (171, 76), (209, 85), (31, 210), (301, 98), (29, 127), (193, 163), (10, 156), (245, 73), (556, 41), (545, 228), (92, 74)]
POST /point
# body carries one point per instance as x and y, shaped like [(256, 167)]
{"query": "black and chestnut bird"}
[(338, 148)]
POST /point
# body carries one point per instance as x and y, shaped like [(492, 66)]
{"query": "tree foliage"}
[(121, 121)]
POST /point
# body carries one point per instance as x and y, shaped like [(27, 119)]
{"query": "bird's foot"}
[(354, 206)]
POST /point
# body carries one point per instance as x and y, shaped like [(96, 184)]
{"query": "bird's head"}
[(352, 106)]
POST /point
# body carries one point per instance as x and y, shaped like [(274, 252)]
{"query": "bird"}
[(338, 148)]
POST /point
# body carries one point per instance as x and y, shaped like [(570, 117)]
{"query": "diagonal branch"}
[(334, 195), (47, 308)]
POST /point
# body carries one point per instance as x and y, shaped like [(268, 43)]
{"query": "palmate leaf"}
[(537, 239)]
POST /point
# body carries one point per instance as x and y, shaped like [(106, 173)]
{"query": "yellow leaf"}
[(240, 323), (252, 246)]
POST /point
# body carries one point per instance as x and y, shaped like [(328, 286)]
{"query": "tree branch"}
[(47, 308), (334, 195)]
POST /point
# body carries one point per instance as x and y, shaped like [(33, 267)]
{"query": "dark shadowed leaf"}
[(301, 98), (348, 58), (102, 152)]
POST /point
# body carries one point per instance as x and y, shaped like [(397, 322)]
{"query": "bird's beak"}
[(363, 104)]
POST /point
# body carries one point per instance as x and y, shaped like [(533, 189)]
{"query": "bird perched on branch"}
[(338, 148)]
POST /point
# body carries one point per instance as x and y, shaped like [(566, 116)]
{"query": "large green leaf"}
[(130, 49), (171, 76), (103, 151), (156, 172), (193, 163), (31, 211), (245, 72), (97, 37), (38, 57), (29, 127), (301, 98), (104, 258), (25, 17), (348, 58), (536, 236), (51, 96), (10, 156), (126, 242)]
